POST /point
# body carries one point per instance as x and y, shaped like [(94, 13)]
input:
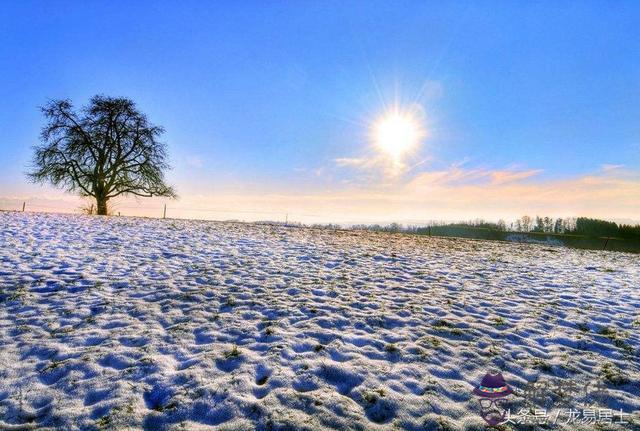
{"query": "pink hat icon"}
[(493, 386)]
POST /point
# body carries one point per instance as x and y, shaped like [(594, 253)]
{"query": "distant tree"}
[(558, 226), (106, 149), (518, 226), (595, 227), (629, 231), (569, 225), (502, 226), (393, 227), (526, 223), (539, 225), (548, 224)]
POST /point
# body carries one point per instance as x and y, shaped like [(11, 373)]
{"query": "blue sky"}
[(279, 98)]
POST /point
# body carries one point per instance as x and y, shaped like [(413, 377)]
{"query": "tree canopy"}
[(106, 149)]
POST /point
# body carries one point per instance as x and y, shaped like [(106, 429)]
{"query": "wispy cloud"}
[(357, 162), (377, 168), (609, 168), (450, 194), (510, 176), (454, 193)]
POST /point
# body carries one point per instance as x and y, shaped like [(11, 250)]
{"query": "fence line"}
[(582, 241), (161, 211)]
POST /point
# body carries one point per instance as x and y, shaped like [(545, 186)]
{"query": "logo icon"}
[(493, 392)]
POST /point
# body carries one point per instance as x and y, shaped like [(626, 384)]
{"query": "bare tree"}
[(107, 149)]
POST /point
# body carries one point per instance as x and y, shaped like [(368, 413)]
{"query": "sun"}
[(396, 134)]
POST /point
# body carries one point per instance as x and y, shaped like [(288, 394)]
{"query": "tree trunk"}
[(102, 206)]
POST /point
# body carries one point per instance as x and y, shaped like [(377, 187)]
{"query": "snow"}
[(125, 323)]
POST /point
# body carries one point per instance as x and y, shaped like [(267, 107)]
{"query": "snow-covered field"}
[(115, 323)]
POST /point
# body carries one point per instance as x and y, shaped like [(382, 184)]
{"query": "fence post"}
[(164, 214), (91, 210), (23, 205)]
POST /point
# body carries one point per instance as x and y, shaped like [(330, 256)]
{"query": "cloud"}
[(360, 163), (609, 168), (509, 176), (457, 175), (354, 162), (459, 193), (455, 193), (367, 169)]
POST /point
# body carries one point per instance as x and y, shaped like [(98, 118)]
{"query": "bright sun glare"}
[(396, 134)]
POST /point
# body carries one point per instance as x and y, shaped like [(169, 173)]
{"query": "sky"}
[(271, 107)]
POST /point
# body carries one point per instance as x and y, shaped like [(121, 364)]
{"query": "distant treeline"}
[(581, 226), (581, 232)]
